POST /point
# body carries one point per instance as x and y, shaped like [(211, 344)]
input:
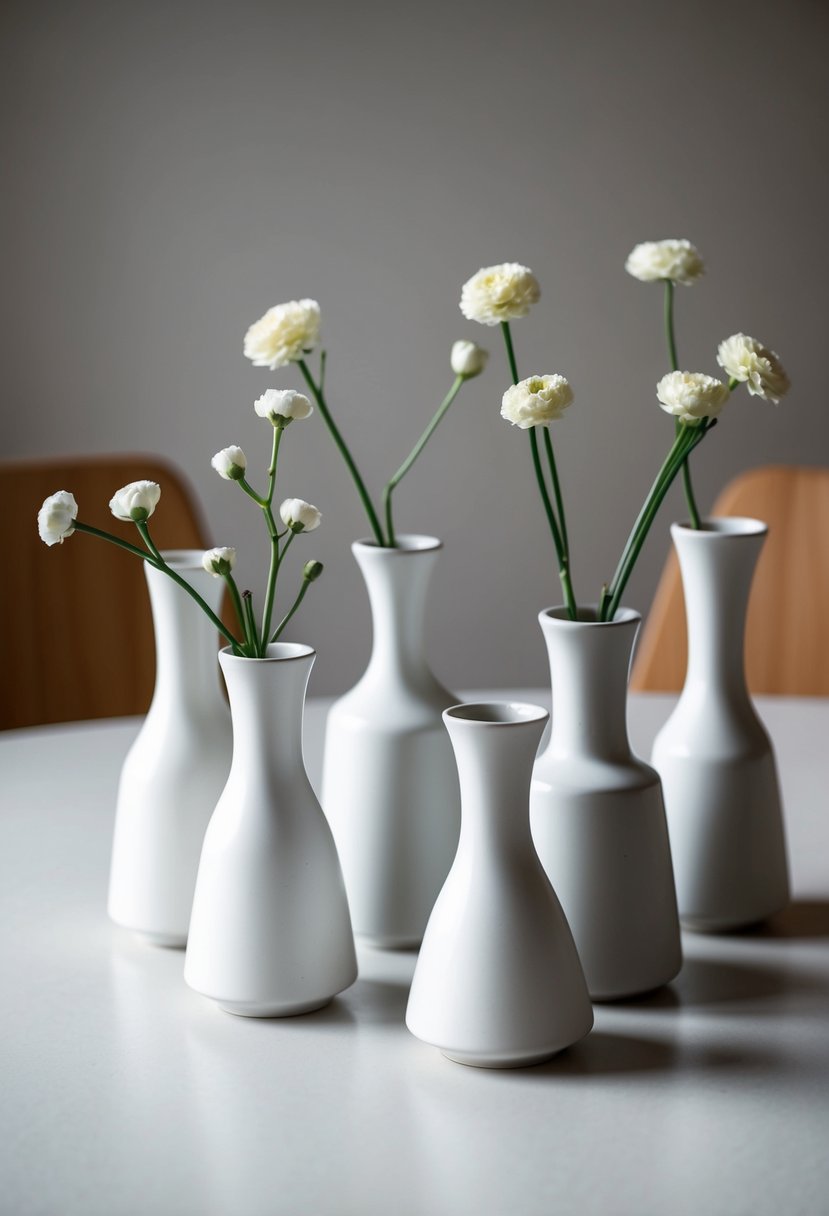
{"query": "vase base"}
[(167, 941), (266, 1009), (717, 924), (513, 1060), (383, 942)]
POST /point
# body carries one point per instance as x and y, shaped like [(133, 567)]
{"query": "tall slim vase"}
[(716, 760), (177, 765), (498, 983), (270, 934), (597, 815), (390, 785)]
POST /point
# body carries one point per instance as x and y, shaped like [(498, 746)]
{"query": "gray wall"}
[(174, 169)]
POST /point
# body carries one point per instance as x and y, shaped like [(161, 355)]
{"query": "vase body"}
[(597, 814), (498, 982), (177, 765), (270, 934), (716, 761), (390, 785)]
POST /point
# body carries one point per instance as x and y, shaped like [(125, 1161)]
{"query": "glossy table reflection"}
[(124, 1092)]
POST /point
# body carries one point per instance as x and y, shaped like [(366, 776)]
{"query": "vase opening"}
[(496, 713), (588, 615), (406, 543), (280, 652), (726, 525)]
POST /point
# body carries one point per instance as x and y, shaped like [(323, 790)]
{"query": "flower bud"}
[(230, 463), (136, 502), (299, 516), (219, 561), (468, 359), (282, 406), (312, 571), (56, 518)]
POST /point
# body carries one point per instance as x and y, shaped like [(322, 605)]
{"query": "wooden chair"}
[(75, 617), (786, 648)]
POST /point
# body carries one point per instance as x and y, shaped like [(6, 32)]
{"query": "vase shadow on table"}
[(379, 1002), (721, 983), (801, 919)]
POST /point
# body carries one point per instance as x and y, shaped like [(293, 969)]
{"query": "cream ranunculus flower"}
[(283, 334), (691, 396), (219, 561), (678, 261), (468, 359), (499, 293), (136, 502), (747, 360), (536, 401), (230, 463), (283, 405), (56, 518), (299, 515)]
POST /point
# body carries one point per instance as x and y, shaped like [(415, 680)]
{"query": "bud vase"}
[(270, 934), (390, 786), (715, 758), (597, 815), (177, 765), (498, 982)]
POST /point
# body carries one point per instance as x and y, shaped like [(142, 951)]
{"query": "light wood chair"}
[(75, 618), (786, 640)]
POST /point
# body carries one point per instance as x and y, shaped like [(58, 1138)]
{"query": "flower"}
[(748, 361), (468, 359), (311, 571), (219, 561), (282, 406), (691, 396), (678, 261), (230, 463), (499, 293), (536, 401), (135, 502), (283, 334), (299, 515), (56, 518)]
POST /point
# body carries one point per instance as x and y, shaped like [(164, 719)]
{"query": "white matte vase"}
[(177, 765), (597, 815), (390, 785), (498, 983), (716, 761), (270, 934)]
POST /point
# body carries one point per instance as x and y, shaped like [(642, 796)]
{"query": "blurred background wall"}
[(173, 169)]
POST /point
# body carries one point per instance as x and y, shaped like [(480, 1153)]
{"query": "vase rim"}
[(559, 614), (722, 526), (184, 559), (407, 542), (495, 713), (277, 652)]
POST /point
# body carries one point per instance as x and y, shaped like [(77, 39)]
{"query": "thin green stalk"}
[(506, 331), (305, 585), (251, 493), (413, 455), (251, 636), (334, 432), (237, 602), (277, 437), (548, 444), (563, 566), (323, 357), (144, 533), (670, 334), (273, 571)]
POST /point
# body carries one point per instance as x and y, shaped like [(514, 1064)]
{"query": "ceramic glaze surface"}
[(498, 983), (597, 815), (714, 755), (390, 785), (270, 934), (176, 767)]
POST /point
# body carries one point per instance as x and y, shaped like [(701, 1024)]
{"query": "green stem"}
[(670, 334), (413, 455), (251, 493), (144, 533), (237, 602), (323, 357), (513, 367), (270, 592), (305, 585), (277, 437), (548, 444), (254, 645), (563, 565), (334, 432)]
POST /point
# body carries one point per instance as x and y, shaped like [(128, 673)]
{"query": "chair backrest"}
[(75, 617), (786, 649)]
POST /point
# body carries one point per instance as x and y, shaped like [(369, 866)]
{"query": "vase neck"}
[(267, 701), (186, 643), (589, 667), (397, 581)]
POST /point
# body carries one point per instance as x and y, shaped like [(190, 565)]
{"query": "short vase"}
[(390, 785), (597, 814), (177, 765), (716, 760), (498, 982), (270, 934)]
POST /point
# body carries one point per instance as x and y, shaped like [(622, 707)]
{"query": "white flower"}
[(499, 293), (230, 463), (536, 401), (747, 360), (219, 561), (691, 396), (468, 359), (299, 515), (135, 502), (283, 405), (283, 334), (675, 260), (56, 518)]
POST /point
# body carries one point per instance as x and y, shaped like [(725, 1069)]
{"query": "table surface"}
[(125, 1092)]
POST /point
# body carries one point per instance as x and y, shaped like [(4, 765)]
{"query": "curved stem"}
[(254, 644), (305, 585), (563, 565), (513, 367), (144, 533), (687, 486), (251, 493), (237, 602)]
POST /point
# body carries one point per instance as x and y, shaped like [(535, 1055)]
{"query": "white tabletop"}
[(124, 1092)]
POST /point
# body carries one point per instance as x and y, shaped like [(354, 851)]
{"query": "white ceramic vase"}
[(498, 982), (390, 785), (597, 815), (716, 761), (177, 765), (270, 934)]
